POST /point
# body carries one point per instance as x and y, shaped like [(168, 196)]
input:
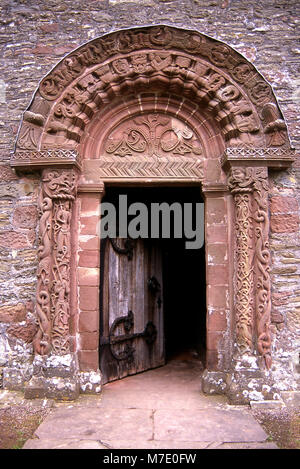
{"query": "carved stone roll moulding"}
[(249, 186), (163, 59)]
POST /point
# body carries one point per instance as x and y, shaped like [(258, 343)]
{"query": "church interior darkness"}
[(183, 270)]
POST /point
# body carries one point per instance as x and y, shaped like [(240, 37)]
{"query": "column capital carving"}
[(243, 179), (60, 183)]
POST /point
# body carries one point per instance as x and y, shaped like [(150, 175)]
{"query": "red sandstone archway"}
[(75, 132)]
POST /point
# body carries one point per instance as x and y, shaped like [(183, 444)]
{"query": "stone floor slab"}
[(224, 425), (47, 443), (94, 424), (159, 409)]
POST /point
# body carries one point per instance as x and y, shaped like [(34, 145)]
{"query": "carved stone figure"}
[(53, 289)]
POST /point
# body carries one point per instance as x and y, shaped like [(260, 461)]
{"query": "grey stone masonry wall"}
[(34, 36)]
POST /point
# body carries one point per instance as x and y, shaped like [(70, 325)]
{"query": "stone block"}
[(88, 276), (25, 332), (7, 174), (42, 50), (88, 321), (90, 382), (89, 242), (25, 216), (55, 366), (216, 234), (13, 313), (217, 253), (291, 399), (49, 27), (89, 340), (90, 204), (213, 382), (88, 298), (218, 274), (283, 204), (217, 321), (88, 360), (212, 170), (59, 388), (213, 340), (287, 223), (217, 296), (14, 240), (267, 405), (215, 210), (89, 225), (89, 259), (212, 360), (13, 379)]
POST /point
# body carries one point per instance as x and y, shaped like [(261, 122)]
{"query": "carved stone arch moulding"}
[(154, 103), (166, 59)]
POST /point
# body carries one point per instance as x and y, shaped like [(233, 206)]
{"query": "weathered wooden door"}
[(131, 319)]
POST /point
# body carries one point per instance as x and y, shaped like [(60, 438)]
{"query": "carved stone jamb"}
[(262, 265), (90, 377), (60, 187), (240, 183), (54, 363), (244, 374), (247, 170), (248, 173), (252, 282)]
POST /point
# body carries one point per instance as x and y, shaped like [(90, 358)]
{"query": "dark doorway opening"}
[(184, 301), (183, 273)]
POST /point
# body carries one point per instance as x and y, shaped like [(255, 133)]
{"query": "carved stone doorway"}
[(153, 106)]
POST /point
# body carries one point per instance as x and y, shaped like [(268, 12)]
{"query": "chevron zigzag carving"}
[(175, 167)]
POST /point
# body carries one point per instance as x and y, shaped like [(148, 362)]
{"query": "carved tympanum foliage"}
[(253, 288), (152, 134), (53, 288)]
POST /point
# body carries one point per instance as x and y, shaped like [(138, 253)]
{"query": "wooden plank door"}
[(131, 319)]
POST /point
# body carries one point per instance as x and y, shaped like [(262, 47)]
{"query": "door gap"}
[(183, 277)]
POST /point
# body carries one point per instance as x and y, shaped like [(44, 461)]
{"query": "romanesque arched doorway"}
[(153, 106)]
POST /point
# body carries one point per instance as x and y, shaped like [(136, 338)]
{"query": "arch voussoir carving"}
[(184, 63)]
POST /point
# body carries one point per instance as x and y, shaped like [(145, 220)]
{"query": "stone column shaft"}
[(53, 288), (249, 186)]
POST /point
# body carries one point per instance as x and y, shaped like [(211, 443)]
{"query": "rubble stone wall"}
[(34, 36)]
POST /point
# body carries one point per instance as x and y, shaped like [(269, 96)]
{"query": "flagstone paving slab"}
[(93, 424), (159, 409)]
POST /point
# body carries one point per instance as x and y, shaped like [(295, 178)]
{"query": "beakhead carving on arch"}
[(162, 59)]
